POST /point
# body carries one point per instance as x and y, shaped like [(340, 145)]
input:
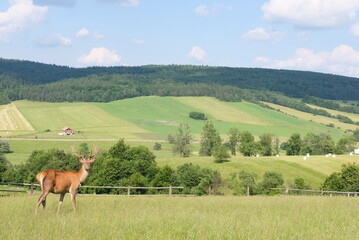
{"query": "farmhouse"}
[(68, 131)]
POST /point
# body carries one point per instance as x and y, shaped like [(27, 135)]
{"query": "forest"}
[(15, 75)]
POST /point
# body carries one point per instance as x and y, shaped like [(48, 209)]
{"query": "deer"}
[(62, 182)]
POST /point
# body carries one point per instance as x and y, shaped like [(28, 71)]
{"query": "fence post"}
[(31, 188), (321, 192), (247, 191), (170, 191), (286, 191), (128, 191)]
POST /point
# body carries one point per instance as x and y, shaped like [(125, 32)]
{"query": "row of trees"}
[(318, 144), (121, 165), (268, 145)]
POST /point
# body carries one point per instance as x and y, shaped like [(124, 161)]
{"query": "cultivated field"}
[(12, 120), (156, 117), (116, 217), (319, 119)]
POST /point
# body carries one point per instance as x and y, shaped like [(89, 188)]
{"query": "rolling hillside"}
[(152, 118)]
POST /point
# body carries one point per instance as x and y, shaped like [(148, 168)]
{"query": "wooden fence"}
[(321, 192), (129, 188)]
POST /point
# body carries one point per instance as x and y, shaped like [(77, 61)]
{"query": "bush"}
[(157, 146), (271, 180), (4, 147), (197, 115)]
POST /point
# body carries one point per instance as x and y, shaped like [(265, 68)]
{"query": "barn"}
[(68, 131)]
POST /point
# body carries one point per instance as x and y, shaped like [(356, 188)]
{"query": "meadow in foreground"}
[(229, 217)]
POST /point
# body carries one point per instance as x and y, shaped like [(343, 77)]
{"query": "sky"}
[(310, 35)]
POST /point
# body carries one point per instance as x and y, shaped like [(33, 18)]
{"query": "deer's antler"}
[(96, 150), (76, 154)]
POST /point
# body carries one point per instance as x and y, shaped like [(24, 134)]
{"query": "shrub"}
[(197, 115)]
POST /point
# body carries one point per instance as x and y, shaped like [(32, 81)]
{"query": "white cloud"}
[(100, 57), (197, 53), (138, 41), (343, 60), (98, 35), (61, 3), (54, 40), (83, 32), (19, 16), (355, 29), (124, 3), (261, 34), (311, 13), (204, 10)]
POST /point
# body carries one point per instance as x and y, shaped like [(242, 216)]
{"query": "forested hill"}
[(16, 74)]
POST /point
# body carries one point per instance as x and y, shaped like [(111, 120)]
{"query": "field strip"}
[(221, 111), (311, 117), (12, 119), (352, 116)]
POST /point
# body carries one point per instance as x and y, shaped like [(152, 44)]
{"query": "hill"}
[(151, 118), (15, 74)]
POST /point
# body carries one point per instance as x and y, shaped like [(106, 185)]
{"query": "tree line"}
[(244, 142)]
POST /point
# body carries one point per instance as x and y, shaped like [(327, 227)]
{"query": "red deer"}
[(61, 182)]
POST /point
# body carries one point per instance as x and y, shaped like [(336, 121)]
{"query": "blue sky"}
[(315, 35)]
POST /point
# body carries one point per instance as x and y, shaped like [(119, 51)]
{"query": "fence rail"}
[(129, 188), (322, 192)]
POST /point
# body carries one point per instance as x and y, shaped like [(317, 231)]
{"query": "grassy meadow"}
[(119, 217), (151, 118)]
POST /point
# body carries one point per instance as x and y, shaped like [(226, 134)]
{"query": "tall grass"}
[(106, 217)]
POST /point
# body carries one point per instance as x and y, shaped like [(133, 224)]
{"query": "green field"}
[(117, 217), (144, 120), (153, 118)]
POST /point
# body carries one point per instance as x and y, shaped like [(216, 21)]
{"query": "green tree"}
[(220, 153), (209, 139), (346, 180), (271, 180), (345, 144), (234, 138), (4, 147), (182, 141), (294, 144), (356, 135), (265, 142), (248, 147), (157, 146), (4, 165)]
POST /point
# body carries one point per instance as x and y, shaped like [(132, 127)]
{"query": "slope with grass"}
[(12, 120), (91, 121), (317, 118), (162, 115)]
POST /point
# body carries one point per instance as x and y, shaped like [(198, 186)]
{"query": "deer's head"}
[(86, 162)]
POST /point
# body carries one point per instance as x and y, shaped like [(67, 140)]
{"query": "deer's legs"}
[(41, 200), (73, 192), (62, 195)]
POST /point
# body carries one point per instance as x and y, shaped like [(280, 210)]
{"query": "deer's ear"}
[(81, 160)]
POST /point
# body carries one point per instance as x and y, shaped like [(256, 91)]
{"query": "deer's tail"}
[(40, 178)]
